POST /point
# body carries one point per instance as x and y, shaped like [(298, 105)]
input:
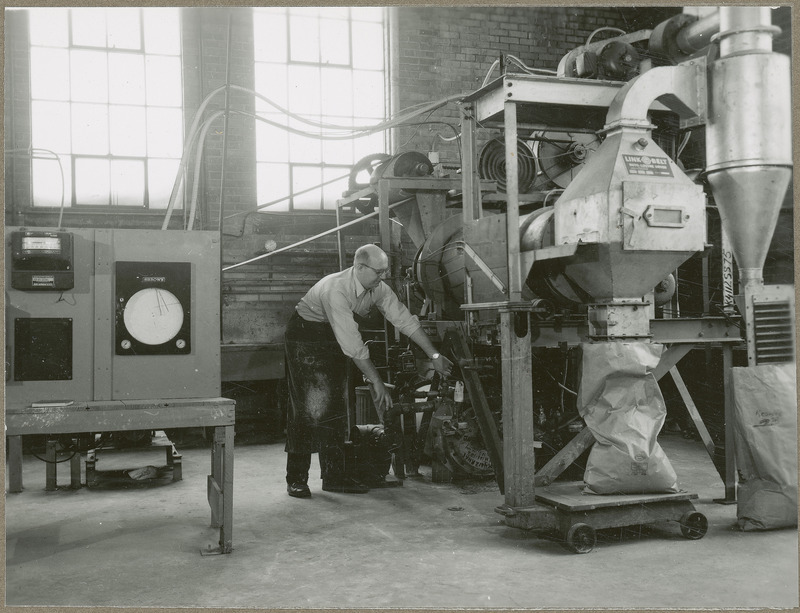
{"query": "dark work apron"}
[(316, 375)]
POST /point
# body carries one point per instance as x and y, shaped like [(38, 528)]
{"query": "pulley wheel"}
[(492, 165), (562, 155), (367, 165)]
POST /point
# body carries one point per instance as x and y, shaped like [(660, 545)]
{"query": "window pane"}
[(91, 181), (273, 183), (334, 41), (123, 28), (305, 149), (304, 177), (337, 151), (89, 72), (164, 86), (161, 175), (333, 191), (49, 73), (50, 126), (367, 145), (368, 46), (126, 78), (270, 82), (334, 12), (50, 181), (90, 129), (162, 33), (89, 27), (303, 39), (128, 130), (304, 11), (127, 183), (304, 94), (48, 27), (272, 143), (164, 133), (270, 43), (337, 91), (368, 94), (366, 13)]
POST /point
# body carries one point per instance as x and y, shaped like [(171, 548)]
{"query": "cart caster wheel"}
[(694, 525), (581, 538)]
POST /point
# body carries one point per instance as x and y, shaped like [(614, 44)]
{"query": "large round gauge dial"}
[(153, 316)]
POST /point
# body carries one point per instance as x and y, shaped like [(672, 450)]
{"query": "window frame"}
[(288, 203), (70, 164)]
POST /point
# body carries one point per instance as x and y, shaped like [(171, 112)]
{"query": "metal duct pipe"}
[(697, 35)]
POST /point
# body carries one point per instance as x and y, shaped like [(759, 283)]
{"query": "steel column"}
[(730, 417)]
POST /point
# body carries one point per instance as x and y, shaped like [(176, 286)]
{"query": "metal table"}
[(127, 415)]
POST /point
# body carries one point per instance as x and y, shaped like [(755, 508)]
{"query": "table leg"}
[(220, 489), (14, 464), (50, 482)]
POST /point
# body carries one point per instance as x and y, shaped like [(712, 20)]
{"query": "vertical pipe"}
[(394, 70), (469, 182), (339, 243), (224, 163)]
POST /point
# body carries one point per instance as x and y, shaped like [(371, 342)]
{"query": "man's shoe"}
[(346, 485), (298, 490)]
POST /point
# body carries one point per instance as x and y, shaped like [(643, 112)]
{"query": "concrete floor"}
[(424, 545)]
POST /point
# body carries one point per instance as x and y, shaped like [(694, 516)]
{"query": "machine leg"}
[(50, 483), (518, 445), (174, 459), (14, 464), (75, 467), (91, 463)]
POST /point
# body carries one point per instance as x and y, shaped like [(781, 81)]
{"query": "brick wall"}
[(444, 51)]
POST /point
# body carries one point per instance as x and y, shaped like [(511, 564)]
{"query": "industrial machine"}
[(116, 333), (95, 315), (517, 289)]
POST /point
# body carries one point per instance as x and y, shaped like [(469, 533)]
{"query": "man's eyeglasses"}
[(381, 273)]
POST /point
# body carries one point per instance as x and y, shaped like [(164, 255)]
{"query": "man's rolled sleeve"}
[(396, 312)]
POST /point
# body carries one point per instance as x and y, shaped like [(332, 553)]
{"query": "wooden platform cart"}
[(565, 510)]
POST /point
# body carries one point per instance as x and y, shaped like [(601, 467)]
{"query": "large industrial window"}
[(106, 98), (325, 66)]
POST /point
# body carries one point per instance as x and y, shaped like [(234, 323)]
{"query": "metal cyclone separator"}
[(749, 154)]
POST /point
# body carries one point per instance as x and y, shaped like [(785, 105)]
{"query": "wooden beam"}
[(694, 413), (566, 456)]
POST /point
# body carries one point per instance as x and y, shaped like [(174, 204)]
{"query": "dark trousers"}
[(317, 414)]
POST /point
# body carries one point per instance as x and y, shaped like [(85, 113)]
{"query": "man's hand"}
[(382, 398), (443, 366)]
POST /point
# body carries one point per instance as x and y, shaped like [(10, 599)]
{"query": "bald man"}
[(320, 336)]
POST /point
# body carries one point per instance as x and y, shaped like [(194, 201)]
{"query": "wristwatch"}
[(435, 356)]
